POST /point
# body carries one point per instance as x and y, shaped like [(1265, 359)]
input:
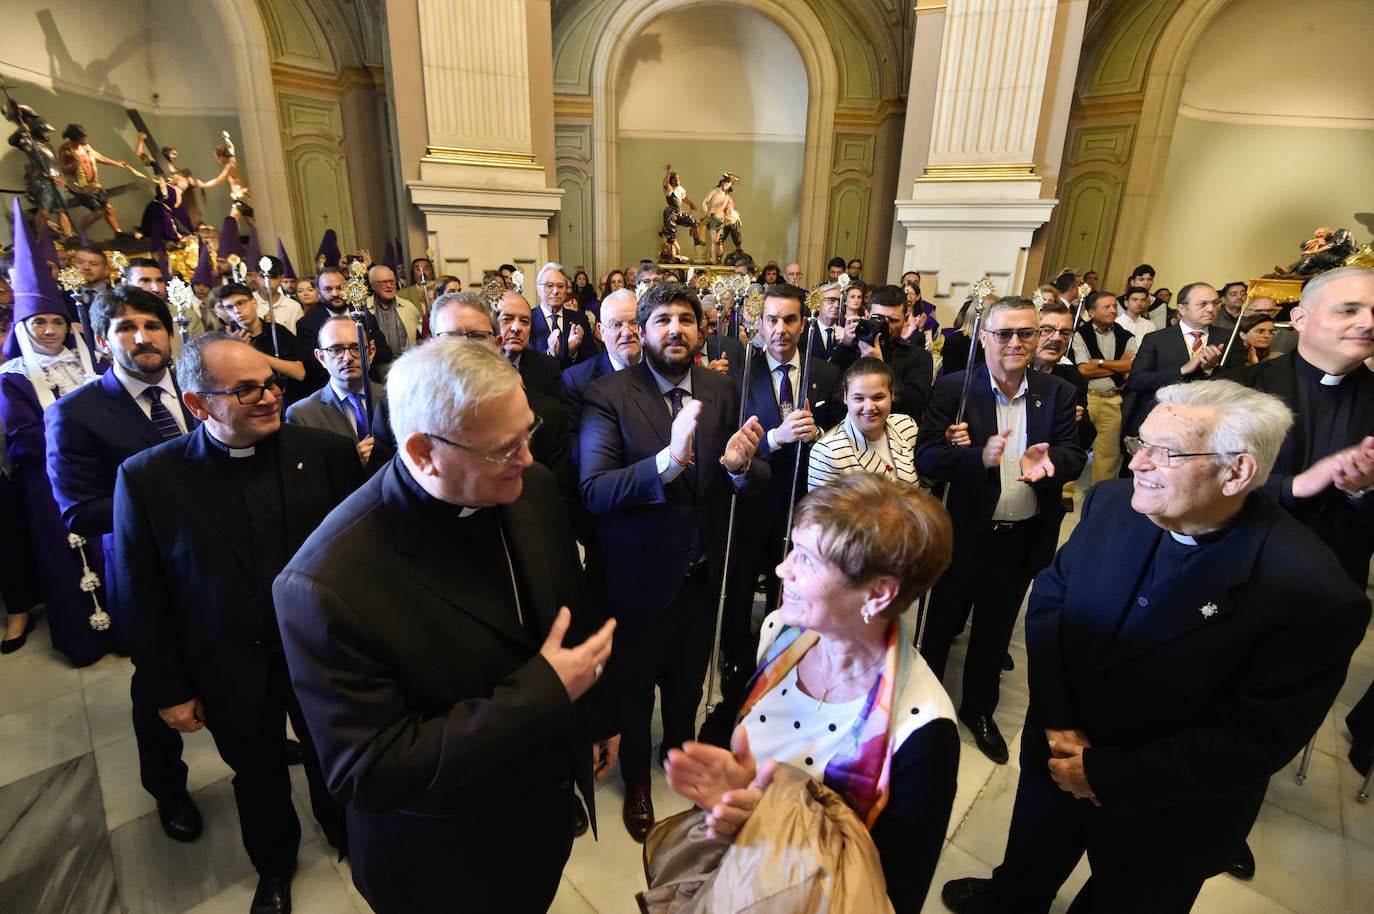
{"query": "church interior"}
[(957, 139)]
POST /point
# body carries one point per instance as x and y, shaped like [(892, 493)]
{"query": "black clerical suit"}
[(90, 432), (1329, 418), (199, 537), (993, 561), (413, 639), (1195, 672), (666, 543)]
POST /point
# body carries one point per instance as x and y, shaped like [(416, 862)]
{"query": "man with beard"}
[(133, 406), (330, 284), (660, 458)]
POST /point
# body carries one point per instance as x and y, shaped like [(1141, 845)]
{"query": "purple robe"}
[(58, 565)]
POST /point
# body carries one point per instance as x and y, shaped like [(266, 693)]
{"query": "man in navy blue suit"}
[(661, 457), (558, 331), (1184, 644), (1005, 464), (621, 334), (133, 406)]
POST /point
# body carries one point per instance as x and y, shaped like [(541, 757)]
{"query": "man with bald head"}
[(203, 523), (621, 333), (794, 275), (515, 321)]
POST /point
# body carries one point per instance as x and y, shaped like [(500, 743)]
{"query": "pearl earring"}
[(867, 614)]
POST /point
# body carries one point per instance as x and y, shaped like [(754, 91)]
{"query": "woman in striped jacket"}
[(871, 439)]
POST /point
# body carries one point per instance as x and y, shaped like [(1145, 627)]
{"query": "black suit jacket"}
[(818, 349), (541, 372), (1189, 711), (539, 336), (1158, 359), (90, 432), (912, 367), (649, 527), (1087, 432), (431, 707), (827, 406), (1345, 524), (974, 489), (199, 622), (734, 352)]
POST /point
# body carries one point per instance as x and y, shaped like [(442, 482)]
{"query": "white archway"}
[(260, 146), (806, 32)]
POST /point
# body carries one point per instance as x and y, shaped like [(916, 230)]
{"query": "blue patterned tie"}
[(676, 395), (360, 415), (786, 400), (163, 420)]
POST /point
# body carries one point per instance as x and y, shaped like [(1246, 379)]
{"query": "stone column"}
[(484, 197), (980, 188)]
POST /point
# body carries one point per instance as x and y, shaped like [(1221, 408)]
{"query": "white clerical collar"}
[(1332, 380), (464, 512), (1183, 538)]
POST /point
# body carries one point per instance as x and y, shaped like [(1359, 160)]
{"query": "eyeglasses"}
[(1162, 456), (384, 282), (1024, 334), (337, 350), (480, 336), (502, 459), (551, 286), (1054, 331), (617, 326), (248, 394)]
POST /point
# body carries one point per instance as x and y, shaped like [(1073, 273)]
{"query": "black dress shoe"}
[(1242, 866), (293, 752), (638, 812), (179, 817), (10, 645), (1361, 756), (579, 817), (987, 737), (970, 896), (273, 896)]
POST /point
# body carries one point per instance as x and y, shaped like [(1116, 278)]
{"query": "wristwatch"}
[(1101, 363)]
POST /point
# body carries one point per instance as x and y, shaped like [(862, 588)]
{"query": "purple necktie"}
[(785, 398), (163, 420)]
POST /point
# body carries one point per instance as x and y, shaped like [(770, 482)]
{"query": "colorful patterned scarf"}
[(859, 772)]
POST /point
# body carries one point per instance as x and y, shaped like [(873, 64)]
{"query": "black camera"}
[(871, 330)]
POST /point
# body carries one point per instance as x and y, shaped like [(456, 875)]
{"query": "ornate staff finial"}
[(815, 300), (640, 289), (120, 263), (355, 290), (70, 279), (264, 264), (1038, 299), (518, 280), (356, 269), (429, 253), (1084, 290), (493, 290), (843, 281), (753, 306), (983, 289)]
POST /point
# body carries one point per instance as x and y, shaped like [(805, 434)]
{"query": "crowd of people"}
[(467, 541)]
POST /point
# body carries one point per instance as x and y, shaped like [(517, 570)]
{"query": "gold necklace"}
[(826, 693)]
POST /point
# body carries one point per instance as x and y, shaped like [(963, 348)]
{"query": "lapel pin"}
[(1208, 610), (1037, 402), (300, 466)]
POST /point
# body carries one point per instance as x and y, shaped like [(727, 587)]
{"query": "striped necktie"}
[(163, 420)]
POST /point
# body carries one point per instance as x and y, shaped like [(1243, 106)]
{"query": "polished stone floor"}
[(79, 835)]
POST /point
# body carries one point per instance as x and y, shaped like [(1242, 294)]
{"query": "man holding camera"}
[(880, 336)]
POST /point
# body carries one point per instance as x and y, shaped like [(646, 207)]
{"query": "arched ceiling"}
[(870, 40), (323, 35)]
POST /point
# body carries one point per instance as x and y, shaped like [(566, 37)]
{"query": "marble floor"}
[(79, 836)]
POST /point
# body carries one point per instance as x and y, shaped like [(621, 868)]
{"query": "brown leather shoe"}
[(638, 811)]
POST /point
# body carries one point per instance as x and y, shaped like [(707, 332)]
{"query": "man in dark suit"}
[(330, 284), (203, 523), (1171, 669), (912, 367), (133, 406), (1188, 352), (720, 345), (1056, 333), (793, 419), (341, 406), (825, 343), (661, 458), (425, 626), (1005, 464), (621, 334), (1324, 474), (562, 333), (541, 372)]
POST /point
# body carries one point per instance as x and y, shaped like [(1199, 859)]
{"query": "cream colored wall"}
[(1238, 199)]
